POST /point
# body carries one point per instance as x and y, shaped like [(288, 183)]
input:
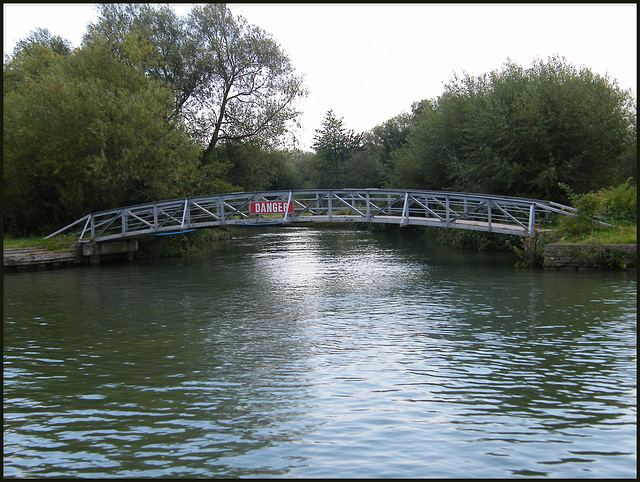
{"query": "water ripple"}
[(305, 353)]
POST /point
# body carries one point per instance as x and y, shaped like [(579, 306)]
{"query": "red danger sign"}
[(271, 207)]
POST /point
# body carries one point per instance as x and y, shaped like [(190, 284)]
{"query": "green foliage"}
[(335, 149), (251, 168), (616, 205), (55, 244), (178, 244), (34, 55), (611, 259), (297, 171), (230, 80), (530, 251), (620, 204), (156, 106), (421, 161), (380, 145), (123, 120), (87, 132), (248, 167), (474, 240), (520, 132), (212, 178)]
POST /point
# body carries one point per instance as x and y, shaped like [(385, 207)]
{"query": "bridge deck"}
[(423, 221)]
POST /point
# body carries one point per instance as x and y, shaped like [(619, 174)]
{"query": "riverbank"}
[(544, 253), (590, 256), (605, 250), (42, 258), (17, 259), (38, 254)]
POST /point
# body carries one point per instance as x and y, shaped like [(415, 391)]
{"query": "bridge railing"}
[(510, 215)]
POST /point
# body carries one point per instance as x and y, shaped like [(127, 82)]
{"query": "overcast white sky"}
[(370, 62)]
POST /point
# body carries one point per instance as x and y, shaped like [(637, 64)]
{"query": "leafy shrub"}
[(620, 204), (616, 205), (474, 240), (611, 259)]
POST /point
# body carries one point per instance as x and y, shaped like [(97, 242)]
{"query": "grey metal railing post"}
[(155, 217), (368, 200), (489, 214), (286, 211), (532, 219), (405, 210), (448, 217), (85, 227), (185, 213)]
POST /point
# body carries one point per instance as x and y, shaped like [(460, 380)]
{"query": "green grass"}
[(56, 244), (613, 235)]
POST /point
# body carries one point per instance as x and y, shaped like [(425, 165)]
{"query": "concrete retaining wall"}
[(33, 258), (16, 259), (590, 256)]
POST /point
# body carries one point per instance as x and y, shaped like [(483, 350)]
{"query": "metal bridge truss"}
[(499, 214)]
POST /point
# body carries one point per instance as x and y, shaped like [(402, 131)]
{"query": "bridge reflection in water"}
[(480, 212)]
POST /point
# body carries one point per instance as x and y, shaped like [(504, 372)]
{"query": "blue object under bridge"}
[(479, 212)]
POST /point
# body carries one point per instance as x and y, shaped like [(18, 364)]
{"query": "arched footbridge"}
[(480, 212)]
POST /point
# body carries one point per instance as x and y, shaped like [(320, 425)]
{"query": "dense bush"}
[(520, 132), (474, 240), (616, 205)]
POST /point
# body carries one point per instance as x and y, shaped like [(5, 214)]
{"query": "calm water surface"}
[(320, 353)]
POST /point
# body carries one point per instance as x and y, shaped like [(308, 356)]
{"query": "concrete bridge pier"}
[(95, 250)]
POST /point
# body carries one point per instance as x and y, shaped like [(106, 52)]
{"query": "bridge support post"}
[(94, 251)]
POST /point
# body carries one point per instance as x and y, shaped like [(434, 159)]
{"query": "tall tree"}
[(334, 147), (87, 132), (382, 141), (422, 162), (231, 80), (519, 131)]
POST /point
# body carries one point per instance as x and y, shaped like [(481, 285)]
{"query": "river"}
[(300, 352)]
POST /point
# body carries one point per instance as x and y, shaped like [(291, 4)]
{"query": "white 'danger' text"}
[(274, 207)]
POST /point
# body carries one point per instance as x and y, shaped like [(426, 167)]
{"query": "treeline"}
[(154, 106)]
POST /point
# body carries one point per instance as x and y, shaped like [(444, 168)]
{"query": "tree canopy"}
[(150, 106), (521, 132), (84, 132), (335, 148), (231, 80)]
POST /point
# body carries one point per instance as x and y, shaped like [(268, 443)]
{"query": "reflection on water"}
[(313, 353)]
